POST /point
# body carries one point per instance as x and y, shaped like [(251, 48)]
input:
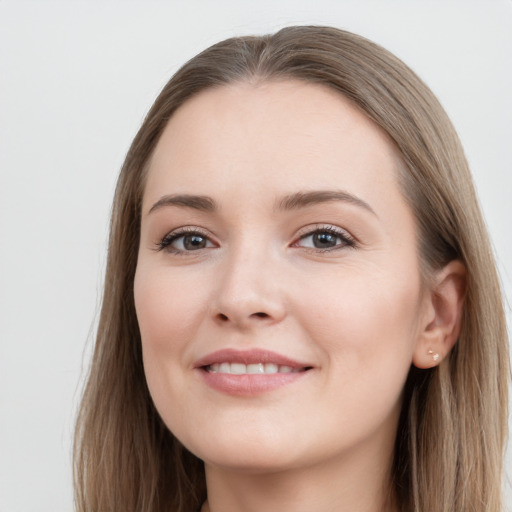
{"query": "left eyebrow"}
[(303, 199)]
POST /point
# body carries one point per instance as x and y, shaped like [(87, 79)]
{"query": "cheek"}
[(167, 310), (368, 334), (367, 322), (168, 313)]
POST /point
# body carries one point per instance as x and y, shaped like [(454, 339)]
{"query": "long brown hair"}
[(449, 447)]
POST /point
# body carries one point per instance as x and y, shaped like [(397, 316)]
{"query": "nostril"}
[(223, 318)]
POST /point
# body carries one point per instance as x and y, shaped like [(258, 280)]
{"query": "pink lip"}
[(252, 356), (249, 384)]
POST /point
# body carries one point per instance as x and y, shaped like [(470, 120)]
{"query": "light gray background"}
[(76, 79)]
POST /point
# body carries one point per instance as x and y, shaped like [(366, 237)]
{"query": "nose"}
[(250, 291)]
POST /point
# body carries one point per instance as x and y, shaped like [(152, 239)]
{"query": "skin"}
[(358, 315)]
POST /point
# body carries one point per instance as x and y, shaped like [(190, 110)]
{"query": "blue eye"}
[(322, 239), (325, 239), (180, 242)]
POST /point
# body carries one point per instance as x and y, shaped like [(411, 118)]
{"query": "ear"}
[(441, 322)]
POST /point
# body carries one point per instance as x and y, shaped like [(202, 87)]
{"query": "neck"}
[(336, 486)]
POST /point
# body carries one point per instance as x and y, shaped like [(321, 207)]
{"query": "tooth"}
[(255, 368), (225, 368), (271, 368), (238, 368)]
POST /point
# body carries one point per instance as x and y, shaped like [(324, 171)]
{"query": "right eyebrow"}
[(203, 203)]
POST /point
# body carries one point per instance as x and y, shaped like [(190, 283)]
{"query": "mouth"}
[(250, 372), (252, 369)]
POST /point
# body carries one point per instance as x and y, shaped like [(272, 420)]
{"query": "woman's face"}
[(277, 289)]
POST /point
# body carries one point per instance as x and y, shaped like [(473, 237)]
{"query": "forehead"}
[(267, 135)]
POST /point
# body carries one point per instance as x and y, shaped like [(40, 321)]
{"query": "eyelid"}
[(349, 240), (164, 243)]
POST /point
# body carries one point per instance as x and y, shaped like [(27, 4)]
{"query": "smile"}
[(249, 372), (251, 369)]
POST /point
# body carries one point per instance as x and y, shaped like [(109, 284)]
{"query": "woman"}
[(301, 308)]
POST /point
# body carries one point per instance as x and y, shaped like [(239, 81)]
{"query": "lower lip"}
[(249, 384)]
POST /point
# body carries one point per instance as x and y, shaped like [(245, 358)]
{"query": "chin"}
[(256, 462), (245, 453)]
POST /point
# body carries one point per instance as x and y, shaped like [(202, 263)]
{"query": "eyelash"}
[(167, 240), (347, 241)]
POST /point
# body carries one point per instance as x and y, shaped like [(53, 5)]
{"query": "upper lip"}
[(252, 356)]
